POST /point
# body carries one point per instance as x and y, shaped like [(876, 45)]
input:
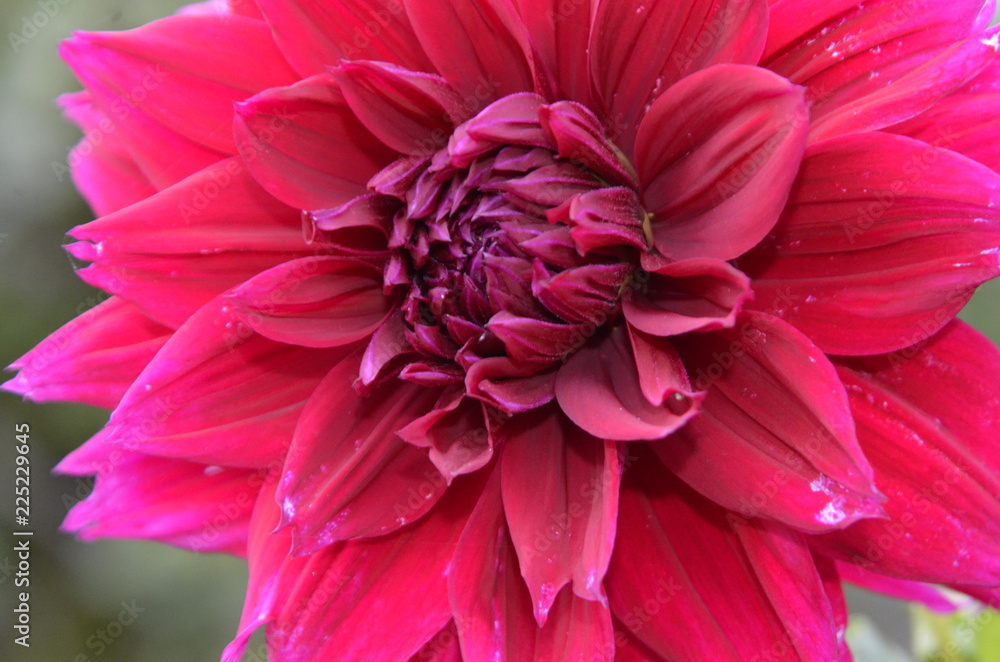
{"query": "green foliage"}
[(970, 634)]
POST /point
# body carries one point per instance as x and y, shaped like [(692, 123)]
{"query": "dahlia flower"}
[(542, 329)]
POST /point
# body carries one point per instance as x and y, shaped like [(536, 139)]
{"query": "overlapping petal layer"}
[(517, 330)]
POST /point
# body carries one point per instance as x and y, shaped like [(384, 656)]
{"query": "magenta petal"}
[(444, 647), (579, 135), (490, 601), (372, 588), (175, 251), (662, 376), (194, 506), (93, 359), (913, 93), (287, 135), (102, 167), (861, 63), (314, 302), (666, 41), (190, 71), (608, 217), (456, 431), (665, 578), (486, 55), (716, 155), (218, 393), (413, 113), (577, 629), (774, 436), (937, 463), (558, 33), (561, 501), (315, 35), (347, 473), (962, 121), (690, 295), (926, 594), (599, 388), (884, 239)]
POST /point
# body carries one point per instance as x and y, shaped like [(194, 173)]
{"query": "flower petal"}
[(577, 629), (444, 647), (218, 393), (861, 62), (316, 35), (456, 431), (314, 302), (413, 113), (700, 294), (965, 123), (639, 48), (561, 501), (558, 32), (172, 253), (369, 588), (936, 462), (486, 55), (194, 506), (600, 389), (93, 359), (926, 594), (716, 155), (911, 94), (884, 239), (183, 72), (490, 601), (672, 579), (287, 135), (347, 473), (774, 436), (101, 165)]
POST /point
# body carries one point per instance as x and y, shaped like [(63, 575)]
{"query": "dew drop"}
[(678, 404)]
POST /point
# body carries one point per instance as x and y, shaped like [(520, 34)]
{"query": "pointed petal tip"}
[(18, 385)]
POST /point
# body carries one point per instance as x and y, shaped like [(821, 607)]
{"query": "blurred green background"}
[(189, 603)]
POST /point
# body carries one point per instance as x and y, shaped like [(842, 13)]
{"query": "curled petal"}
[(314, 302), (600, 390), (716, 155), (457, 432), (699, 294)]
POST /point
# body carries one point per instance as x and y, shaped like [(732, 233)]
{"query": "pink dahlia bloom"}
[(543, 329)]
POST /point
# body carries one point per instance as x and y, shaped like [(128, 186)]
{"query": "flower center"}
[(513, 242)]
